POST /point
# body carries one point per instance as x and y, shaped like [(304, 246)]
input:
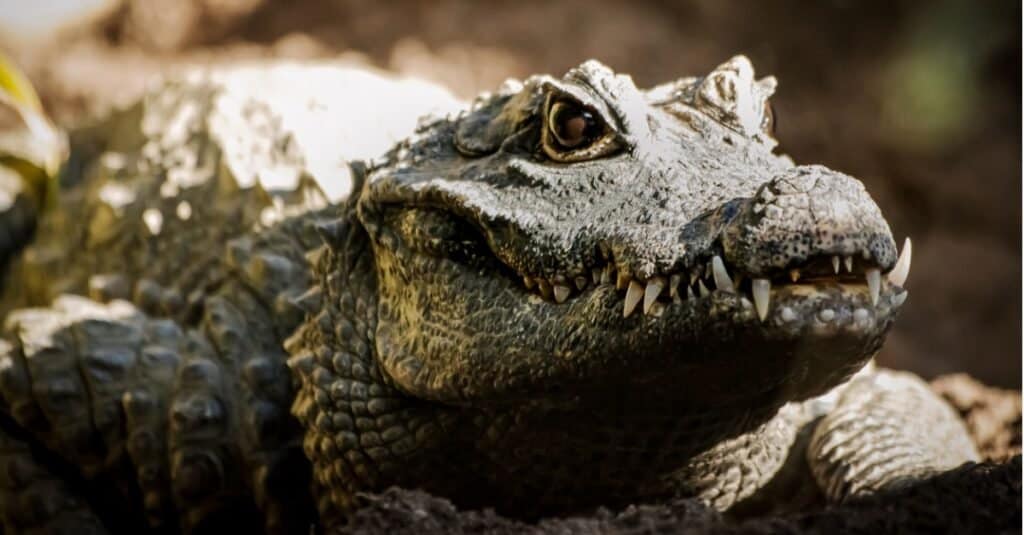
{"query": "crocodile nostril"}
[(803, 215)]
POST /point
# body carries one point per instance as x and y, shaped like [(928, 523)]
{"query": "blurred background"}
[(919, 99)]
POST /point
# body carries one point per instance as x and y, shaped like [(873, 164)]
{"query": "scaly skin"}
[(525, 306)]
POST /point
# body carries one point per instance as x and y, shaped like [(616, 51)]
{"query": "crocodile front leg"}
[(887, 430), (34, 498), (133, 423)]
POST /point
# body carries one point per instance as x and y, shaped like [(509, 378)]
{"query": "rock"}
[(993, 415)]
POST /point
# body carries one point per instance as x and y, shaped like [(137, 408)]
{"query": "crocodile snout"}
[(808, 213)]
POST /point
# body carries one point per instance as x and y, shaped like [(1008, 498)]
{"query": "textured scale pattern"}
[(887, 430), (166, 388), (359, 431)]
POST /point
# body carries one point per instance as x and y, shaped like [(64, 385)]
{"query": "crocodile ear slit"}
[(492, 119), (480, 131)]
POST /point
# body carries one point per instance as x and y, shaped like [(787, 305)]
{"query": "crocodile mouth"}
[(705, 333), (824, 289), (834, 276)]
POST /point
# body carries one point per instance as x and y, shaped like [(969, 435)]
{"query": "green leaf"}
[(30, 144)]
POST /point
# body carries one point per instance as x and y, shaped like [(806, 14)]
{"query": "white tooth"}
[(623, 281), (898, 275), (595, 275), (561, 293), (835, 264), (704, 292), (899, 299), (673, 285), (606, 274), (848, 261), (787, 314), (694, 275), (581, 282), (761, 290), (874, 278), (794, 275), (722, 281), (654, 287), (545, 288), (633, 295), (528, 282)]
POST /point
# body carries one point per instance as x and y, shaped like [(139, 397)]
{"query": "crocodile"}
[(572, 293)]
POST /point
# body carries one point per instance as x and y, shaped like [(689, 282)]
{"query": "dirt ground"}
[(920, 100)]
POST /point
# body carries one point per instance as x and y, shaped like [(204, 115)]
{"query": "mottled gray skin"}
[(460, 324)]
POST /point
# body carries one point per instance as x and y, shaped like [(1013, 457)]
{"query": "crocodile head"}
[(568, 238)]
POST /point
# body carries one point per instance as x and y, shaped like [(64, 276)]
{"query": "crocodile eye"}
[(572, 125)]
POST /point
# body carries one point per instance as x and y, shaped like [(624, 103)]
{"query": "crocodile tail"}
[(32, 151)]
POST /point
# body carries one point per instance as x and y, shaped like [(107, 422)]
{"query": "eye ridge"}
[(573, 125)]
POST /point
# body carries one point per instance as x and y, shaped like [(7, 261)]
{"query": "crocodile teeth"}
[(874, 278), (623, 280), (761, 290), (898, 275), (528, 282), (722, 280), (694, 275), (606, 274), (848, 262), (794, 275), (633, 296), (835, 264), (899, 299), (673, 285), (561, 293), (581, 282), (689, 293), (595, 275), (654, 287), (704, 292)]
